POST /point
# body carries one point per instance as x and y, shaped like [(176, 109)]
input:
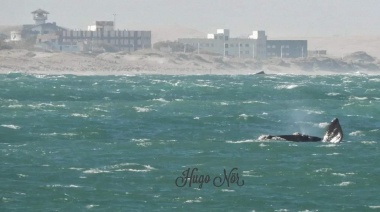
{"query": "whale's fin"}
[(334, 133)]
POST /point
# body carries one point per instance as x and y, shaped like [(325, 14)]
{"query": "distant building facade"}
[(287, 48), (40, 27), (122, 40), (254, 46), (102, 35)]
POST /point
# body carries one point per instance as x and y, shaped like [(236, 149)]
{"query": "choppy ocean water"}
[(123, 143)]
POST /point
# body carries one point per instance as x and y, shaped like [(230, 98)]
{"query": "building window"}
[(231, 45), (246, 52), (212, 45), (247, 45), (274, 46), (268, 46), (225, 45)]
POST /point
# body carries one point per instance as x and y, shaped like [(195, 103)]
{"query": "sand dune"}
[(156, 62)]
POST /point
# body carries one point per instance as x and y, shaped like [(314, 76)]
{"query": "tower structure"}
[(40, 16)]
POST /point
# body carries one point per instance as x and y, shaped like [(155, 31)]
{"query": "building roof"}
[(40, 11)]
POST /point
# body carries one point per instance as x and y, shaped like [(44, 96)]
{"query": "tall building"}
[(254, 46)]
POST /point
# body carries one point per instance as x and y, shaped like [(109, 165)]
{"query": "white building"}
[(254, 46), (102, 26)]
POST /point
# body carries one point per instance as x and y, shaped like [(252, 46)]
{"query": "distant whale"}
[(333, 134)]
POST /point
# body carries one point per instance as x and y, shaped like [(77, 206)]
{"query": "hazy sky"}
[(276, 17)]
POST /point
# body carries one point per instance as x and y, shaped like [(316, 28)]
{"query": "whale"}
[(333, 134)]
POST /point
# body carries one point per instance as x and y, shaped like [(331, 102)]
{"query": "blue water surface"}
[(119, 143)]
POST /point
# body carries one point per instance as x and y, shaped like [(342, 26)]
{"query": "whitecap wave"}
[(199, 199), (339, 174), (207, 85), (161, 100), (59, 134), (375, 80), (11, 126), (91, 206), (356, 133), (242, 141), (323, 170), (343, 174), (374, 206), (334, 153), (63, 186), (333, 94), (244, 116), (44, 105), (122, 167), (288, 87), (79, 115), (328, 145), (142, 142), (358, 98), (253, 102), (318, 112), (74, 168), (344, 183), (15, 106), (95, 171), (142, 109), (368, 142), (227, 190)]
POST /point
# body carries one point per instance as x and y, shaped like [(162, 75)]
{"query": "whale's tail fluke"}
[(334, 133)]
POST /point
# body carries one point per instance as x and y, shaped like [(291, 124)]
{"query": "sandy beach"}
[(156, 62)]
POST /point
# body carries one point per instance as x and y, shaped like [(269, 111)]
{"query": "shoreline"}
[(129, 73), (150, 62)]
